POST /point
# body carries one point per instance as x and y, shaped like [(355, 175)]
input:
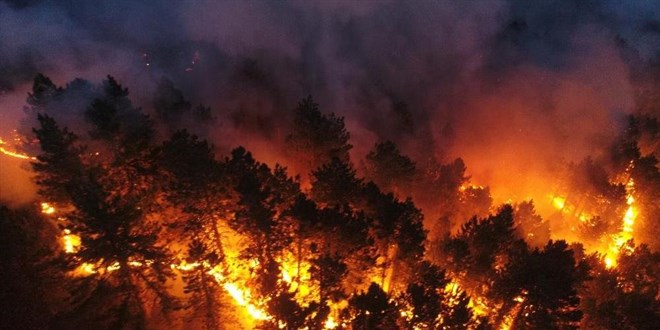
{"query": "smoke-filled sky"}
[(510, 86)]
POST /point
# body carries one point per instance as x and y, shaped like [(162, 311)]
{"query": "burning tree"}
[(108, 204)]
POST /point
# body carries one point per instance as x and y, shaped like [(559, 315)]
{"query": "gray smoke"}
[(511, 86)]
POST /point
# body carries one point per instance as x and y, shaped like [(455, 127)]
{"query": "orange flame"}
[(13, 153), (619, 240)]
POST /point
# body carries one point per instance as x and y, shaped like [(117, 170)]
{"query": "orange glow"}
[(619, 240), (234, 275), (297, 279), (465, 187), (71, 242), (185, 266), (478, 304), (243, 298), (559, 202), (241, 294), (86, 269), (46, 208), (330, 323), (14, 154), (510, 317)]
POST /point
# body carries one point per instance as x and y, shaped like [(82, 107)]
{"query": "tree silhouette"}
[(479, 243), (316, 138), (205, 297), (458, 314), (424, 295), (43, 92), (127, 130), (390, 170), (31, 269), (110, 214), (623, 297), (58, 167), (398, 228), (196, 187), (530, 225), (329, 270), (286, 311), (438, 193), (544, 283), (259, 213), (346, 235), (372, 310), (169, 102), (335, 184)]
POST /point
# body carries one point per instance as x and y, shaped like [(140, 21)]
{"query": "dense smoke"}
[(510, 86)]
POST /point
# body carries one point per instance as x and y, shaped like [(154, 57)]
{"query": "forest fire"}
[(298, 274), (617, 241), (335, 165), (241, 295)]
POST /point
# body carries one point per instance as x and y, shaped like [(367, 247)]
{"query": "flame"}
[(298, 277), (13, 153), (330, 323), (619, 240), (86, 269), (46, 208), (185, 266), (465, 187), (70, 241), (626, 233), (478, 303), (242, 296), (510, 317), (559, 202)]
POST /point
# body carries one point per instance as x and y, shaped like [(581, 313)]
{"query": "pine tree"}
[(110, 215), (257, 204), (195, 186), (390, 170), (32, 270), (205, 296), (43, 92), (287, 313), (335, 184), (59, 167), (424, 295), (544, 283), (458, 314), (169, 102), (316, 138), (530, 225), (329, 270), (115, 121), (372, 310)]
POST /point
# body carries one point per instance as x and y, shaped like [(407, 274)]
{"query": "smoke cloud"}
[(513, 86)]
